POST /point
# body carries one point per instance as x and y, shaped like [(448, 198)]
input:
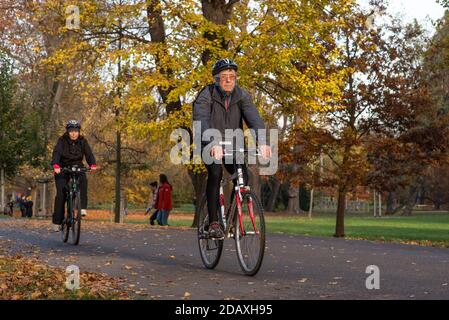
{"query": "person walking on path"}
[(154, 190), (164, 200)]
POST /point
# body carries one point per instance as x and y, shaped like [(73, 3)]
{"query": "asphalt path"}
[(164, 263)]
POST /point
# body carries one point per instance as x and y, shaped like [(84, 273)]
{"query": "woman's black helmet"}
[(73, 124), (223, 64)]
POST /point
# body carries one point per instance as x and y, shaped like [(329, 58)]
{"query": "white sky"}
[(419, 9), (423, 10)]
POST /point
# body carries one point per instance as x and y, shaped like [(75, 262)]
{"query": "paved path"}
[(165, 263)]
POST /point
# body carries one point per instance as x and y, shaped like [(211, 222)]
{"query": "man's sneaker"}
[(216, 231), (83, 213), (56, 227)]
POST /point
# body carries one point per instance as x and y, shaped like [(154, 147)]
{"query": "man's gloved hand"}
[(265, 150), (217, 152)]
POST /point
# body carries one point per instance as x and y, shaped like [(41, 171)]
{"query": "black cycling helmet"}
[(223, 64), (73, 124)]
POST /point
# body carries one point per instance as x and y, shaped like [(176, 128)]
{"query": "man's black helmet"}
[(223, 64), (73, 124)]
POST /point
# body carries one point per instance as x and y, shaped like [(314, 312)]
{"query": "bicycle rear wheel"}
[(249, 233), (76, 219), (210, 249)]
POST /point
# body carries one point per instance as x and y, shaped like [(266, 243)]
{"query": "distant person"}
[(28, 207), (22, 201), (154, 190), (8, 210), (164, 200), (11, 207)]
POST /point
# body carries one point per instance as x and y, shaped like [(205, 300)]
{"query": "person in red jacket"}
[(164, 200)]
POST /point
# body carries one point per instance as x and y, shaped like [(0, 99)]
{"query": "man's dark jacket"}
[(210, 110), (69, 152)]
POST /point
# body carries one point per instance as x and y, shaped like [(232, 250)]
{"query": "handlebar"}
[(233, 152), (241, 150), (75, 169)]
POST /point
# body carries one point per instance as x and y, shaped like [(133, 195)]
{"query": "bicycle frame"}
[(237, 192)]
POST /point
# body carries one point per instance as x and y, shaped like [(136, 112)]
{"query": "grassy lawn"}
[(427, 228)]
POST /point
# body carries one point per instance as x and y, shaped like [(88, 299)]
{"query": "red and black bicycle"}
[(244, 221)]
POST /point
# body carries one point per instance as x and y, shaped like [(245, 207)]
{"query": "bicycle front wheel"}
[(210, 249), (249, 228), (76, 219), (65, 228)]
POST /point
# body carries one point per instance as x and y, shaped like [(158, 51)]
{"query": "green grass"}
[(186, 207), (421, 227)]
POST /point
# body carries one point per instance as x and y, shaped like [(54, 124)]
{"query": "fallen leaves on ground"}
[(23, 278)]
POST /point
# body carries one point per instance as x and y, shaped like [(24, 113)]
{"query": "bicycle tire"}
[(76, 219), (248, 269), (204, 243), (65, 227)]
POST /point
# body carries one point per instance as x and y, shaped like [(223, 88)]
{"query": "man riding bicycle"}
[(69, 151), (223, 105)]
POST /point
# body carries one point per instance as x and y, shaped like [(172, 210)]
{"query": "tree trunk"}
[(390, 204), (410, 201), (311, 204), (275, 187), (51, 199), (157, 31), (340, 226), (218, 12), (437, 205), (2, 187), (34, 193), (293, 200), (199, 186)]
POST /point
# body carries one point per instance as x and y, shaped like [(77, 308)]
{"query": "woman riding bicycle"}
[(222, 106), (70, 150)]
